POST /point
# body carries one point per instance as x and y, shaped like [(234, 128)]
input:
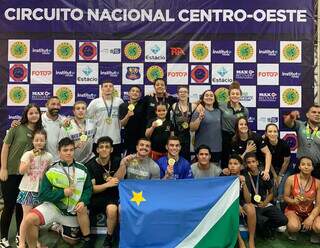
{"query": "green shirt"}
[(20, 140)]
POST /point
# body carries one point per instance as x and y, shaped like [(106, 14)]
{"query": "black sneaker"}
[(88, 243), (107, 243)]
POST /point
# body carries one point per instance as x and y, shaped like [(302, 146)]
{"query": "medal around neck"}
[(171, 161), (257, 198), (109, 120), (83, 137), (185, 125), (159, 122), (131, 107)]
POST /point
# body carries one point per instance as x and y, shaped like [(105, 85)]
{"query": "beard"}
[(54, 111)]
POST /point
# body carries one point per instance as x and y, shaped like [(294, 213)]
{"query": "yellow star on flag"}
[(137, 198)]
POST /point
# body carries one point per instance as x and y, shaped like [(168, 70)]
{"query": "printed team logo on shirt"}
[(18, 95), (18, 50), (18, 73), (88, 50), (132, 51), (154, 72), (222, 94)]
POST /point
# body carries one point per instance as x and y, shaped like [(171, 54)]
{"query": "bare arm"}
[(124, 121), (24, 167), (290, 118), (4, 156), (149, 131), (287, 191), (113, 182)]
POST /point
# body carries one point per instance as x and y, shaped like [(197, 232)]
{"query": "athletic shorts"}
[(49, 213)]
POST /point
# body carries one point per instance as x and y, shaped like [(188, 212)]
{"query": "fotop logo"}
[(176, 51), (177, 74), (268, 74), (41, 73)]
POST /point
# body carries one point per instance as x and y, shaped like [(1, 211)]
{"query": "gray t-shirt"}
[(145, 169), (213, 171), (209, 132), (308, 145), (230, 116)]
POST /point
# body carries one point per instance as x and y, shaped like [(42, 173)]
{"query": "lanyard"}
[(109, 109), (255, 188), (70, 178), (82, 130)]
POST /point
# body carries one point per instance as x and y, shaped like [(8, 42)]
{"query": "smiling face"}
[(173, 147), (234, 96), (104, 150), (161, 111), (272, 133), (208, 98), (306, 166), (39, 141), (134, 93), (79, 110), (243, 126), (313, 115), (183, 94), (33, 115), (143, 148), (160, 86), (53, 106)]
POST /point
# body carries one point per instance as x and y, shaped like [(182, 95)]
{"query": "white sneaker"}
[(4, 243), (281, 229)]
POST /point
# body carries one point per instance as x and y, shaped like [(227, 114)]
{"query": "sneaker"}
[(292, 236), (281, 229), (107, 243), (315, 239), (88, 243), (4, 243)]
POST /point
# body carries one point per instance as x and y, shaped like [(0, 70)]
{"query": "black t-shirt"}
[(135, 128), (96, 171), (239, 146), (178, 120), (150, 103), (160, 135), (279, 152), (264, 186)]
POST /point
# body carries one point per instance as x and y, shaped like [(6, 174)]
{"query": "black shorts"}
[(98, 205)]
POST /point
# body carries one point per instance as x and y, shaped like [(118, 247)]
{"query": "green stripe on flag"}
[(224, 233)]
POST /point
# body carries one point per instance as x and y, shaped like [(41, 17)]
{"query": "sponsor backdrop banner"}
[(67, 49)]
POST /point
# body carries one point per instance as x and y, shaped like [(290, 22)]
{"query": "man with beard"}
[(139, 165), (131, 115), (308, 135), (174, 166), (81, 131)]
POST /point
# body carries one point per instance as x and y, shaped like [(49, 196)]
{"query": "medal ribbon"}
[(82, 130), (309, 135), (302, 190), (255, 188), (109, 110)]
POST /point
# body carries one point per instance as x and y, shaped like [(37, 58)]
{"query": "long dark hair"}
[(236, 136), (215, 104), (267, 126), (24, 119)]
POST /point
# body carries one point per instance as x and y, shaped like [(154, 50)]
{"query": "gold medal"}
[(131, 107), (171, 161), (109, 120), (185, 125), (83, 137), (134, 162), (36, 153), (257, 198), (159, 122), (106, 176)]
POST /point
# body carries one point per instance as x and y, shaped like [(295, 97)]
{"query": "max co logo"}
[(176, 51), (268, 74)]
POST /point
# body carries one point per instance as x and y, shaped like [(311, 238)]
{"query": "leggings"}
[(10, 191)]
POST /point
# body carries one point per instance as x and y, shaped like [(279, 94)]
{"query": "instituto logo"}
[(245, 51), (65, 73), (291, 74), (64, 94), (132, 50), (271, 53), (65, 50), (87, 95), (154, 72), (18, 49), (17, 94), (290, 96), (222, 94), (110, 73), (200, 51), (291, 51), (42, 51), (222, 52)]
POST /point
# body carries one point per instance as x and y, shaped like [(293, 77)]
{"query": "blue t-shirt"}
[(181, 168)]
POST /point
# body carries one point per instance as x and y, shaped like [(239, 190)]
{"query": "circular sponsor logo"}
[(18, 94), (291, 139), (154, 72), (18, 72), (245, 51), (200, 51), (18, 49), (290, 96), (65, 50), (199, 74), (87, 50), (132, 50), (222, 94), (291, 51), (64, 94)]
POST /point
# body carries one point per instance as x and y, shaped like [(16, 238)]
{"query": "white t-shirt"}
[(98, 112), (82, 154), (52, 127), (31, 179)]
